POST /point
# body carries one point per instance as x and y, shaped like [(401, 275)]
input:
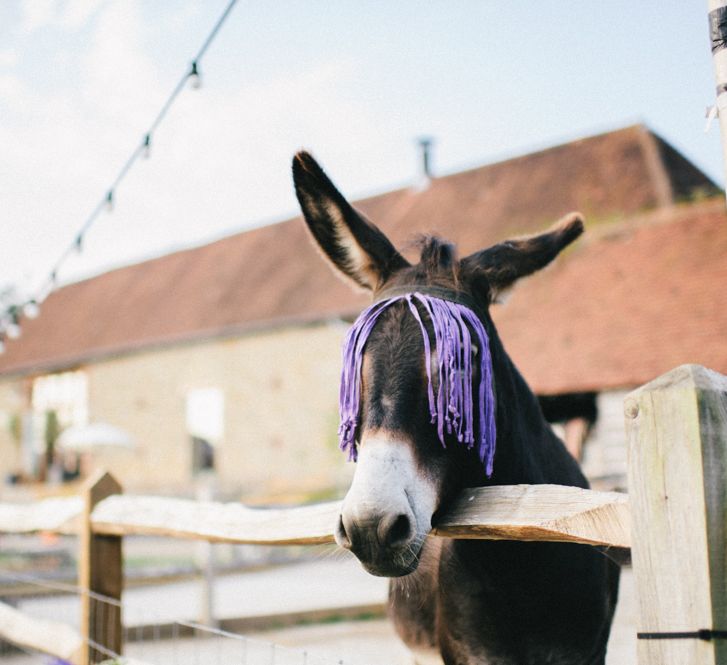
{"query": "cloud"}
[(8, 58), (76, 14), (65, 14), (117, 77), (36, 14), (14, 94)]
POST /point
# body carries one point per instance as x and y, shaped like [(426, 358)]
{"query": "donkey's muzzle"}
[(387, 511), (385, 544)]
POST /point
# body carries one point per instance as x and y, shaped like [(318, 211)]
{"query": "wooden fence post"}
[(677, 437), (100, 571)]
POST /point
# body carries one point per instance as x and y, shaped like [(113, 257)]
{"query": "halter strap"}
[(442, 292)]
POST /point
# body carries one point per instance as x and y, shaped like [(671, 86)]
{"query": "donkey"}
[(453, 601)]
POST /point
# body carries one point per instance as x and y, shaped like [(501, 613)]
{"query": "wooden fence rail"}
[(59, 515), (677, 433), (515, 512), (49, 637), (521, 512)]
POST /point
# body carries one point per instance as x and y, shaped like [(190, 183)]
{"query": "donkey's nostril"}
[(341, 536), (395, 532)]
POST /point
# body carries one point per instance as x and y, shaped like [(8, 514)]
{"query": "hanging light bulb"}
[(195, 80), (12, 327), (12, 330), (31, 309), (110, 200), (146, 150)]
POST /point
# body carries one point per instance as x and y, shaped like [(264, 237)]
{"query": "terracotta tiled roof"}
[(625, 306), (272, 275)]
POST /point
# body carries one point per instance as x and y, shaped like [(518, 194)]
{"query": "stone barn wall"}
[(280, 391)]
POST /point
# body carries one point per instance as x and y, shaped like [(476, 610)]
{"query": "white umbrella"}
[(84, 438)]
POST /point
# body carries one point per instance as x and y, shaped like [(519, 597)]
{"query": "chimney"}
[(425, 162)]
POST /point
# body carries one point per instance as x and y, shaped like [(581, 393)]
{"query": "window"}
[(58, 401), (65, 394), (205, 425)]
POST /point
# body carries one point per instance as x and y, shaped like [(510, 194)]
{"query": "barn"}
[(224, 358)]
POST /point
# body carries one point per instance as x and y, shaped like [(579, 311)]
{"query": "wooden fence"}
[(677, 440)]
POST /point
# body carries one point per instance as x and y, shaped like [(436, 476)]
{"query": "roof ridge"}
[(546, 148), (656, 216)]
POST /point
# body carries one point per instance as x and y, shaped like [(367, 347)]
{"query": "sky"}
[(355, 82)]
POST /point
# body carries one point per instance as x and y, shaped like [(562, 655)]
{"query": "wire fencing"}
[(150, 641)]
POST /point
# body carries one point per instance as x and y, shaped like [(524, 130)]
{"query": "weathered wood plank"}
[(677, 435), (48, 637), (522, 512), (59, 515), (216, 522), (539, 512)]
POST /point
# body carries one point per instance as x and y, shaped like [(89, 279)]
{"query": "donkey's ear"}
[(505, 263), (355, 246)]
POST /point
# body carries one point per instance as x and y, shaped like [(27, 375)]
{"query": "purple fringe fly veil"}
[(453, 407)]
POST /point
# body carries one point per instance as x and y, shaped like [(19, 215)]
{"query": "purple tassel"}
[(452, 408)]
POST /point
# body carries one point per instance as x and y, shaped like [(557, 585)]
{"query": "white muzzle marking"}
[(387, 481)]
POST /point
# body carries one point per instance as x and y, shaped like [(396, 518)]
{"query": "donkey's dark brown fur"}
[(470, 601)]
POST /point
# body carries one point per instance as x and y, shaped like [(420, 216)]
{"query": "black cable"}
[(214, 32), (706, 634)]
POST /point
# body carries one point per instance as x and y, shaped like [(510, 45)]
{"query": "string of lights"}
[(11, 318)]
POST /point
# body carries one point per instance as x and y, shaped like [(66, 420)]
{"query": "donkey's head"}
[(417, 394)]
